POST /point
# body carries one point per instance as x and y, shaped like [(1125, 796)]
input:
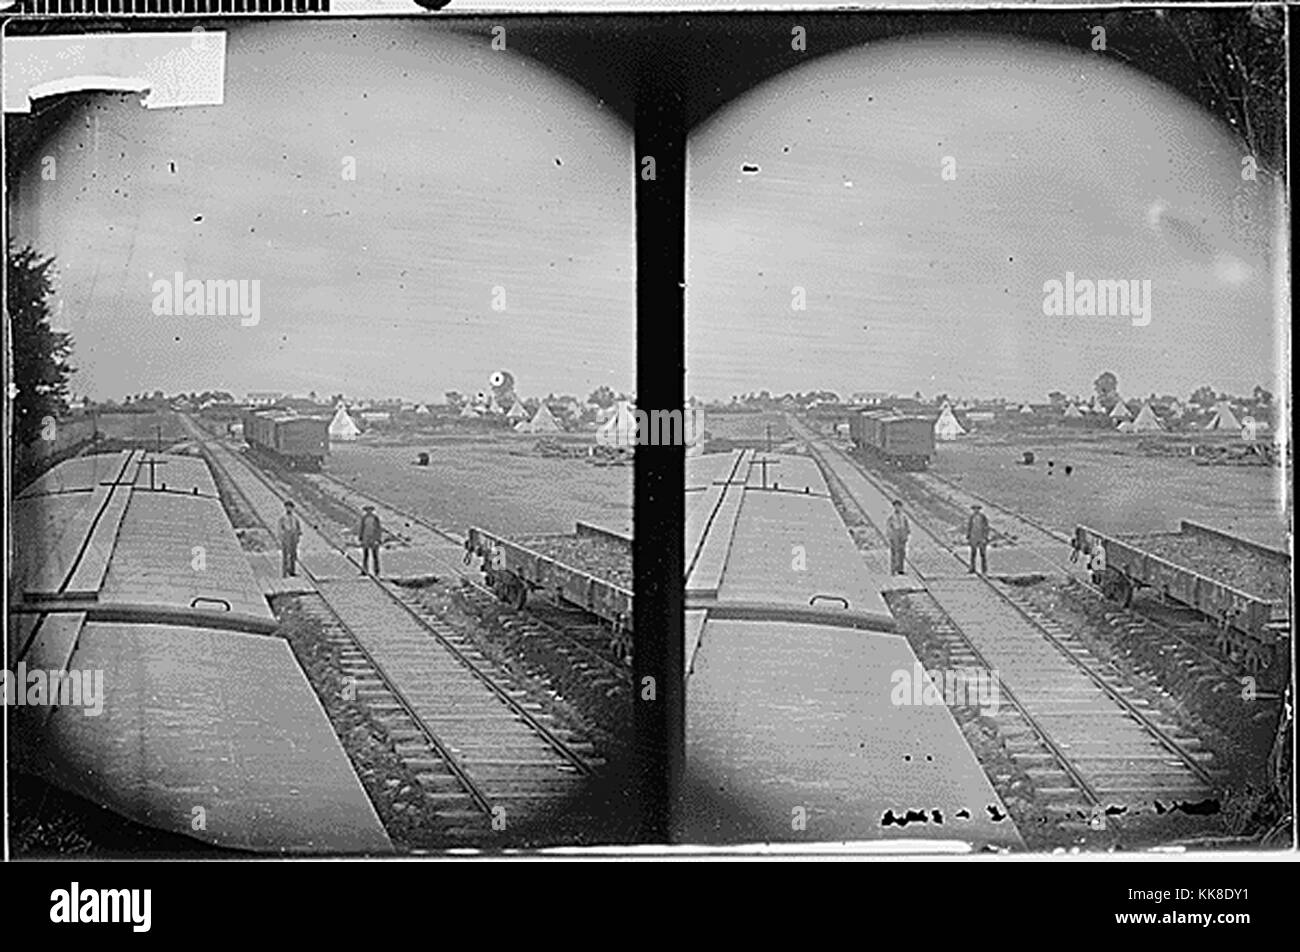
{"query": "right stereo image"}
[(986, 535)]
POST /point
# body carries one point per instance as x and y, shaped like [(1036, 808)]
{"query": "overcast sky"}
[(474, 170), (1064, 162)]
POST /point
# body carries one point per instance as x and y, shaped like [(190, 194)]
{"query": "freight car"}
[(591, 569), (894, 439), (1243, 586), (288, 440)]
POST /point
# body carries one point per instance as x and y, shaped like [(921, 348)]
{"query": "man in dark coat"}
[(897, 529), (370, 534), (977, 536), (290, 532)]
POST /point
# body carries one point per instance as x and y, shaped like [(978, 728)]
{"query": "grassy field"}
[(1115, 488), (497, 483)]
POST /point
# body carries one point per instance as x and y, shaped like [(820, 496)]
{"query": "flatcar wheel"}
[(518, 595)]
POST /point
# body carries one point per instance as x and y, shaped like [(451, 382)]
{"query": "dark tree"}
[(1107, 387), (40, 353)]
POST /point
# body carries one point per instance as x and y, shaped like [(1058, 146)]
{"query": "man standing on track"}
[(897, 529), (370, 533), (290, 533), (977, 536)]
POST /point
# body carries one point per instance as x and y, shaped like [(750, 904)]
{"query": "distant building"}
[(263, 398), (869, 397), (376, 416)]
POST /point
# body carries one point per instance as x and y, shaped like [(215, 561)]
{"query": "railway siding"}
[(1114, 749), (455, 717)]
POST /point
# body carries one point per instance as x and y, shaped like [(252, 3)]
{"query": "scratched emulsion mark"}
[(935, 816), (1207, 807)]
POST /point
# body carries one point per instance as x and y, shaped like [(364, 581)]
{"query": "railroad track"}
[(1194, 639), (573, 636), (490, 760), (1086, 740)]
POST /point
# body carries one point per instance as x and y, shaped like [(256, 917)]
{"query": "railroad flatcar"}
[(1242, 585), (296, 441), (906, 442)]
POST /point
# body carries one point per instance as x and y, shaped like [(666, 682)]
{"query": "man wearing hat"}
[(370, 533), (977, 536), (897, 529), (290, 532)]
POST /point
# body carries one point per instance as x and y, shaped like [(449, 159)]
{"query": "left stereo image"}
[(321, 433)]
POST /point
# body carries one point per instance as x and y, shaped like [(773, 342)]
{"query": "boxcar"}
[(906, 442), (297, 441)]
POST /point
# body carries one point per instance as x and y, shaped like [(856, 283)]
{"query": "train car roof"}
[(139, 577), (784, 715)]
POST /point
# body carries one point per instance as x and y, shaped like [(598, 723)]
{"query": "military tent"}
[(620, 429), (1121, 411), (422, 409), (517, 412), (543, 422), (1146, 420), (1026, 408), (1072, 412), (342, 427), (947, 427), (1223, 418)]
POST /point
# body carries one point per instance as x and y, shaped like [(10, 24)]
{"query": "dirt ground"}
[(1114, 488), (140, 426), (745, 428), (497, 483)]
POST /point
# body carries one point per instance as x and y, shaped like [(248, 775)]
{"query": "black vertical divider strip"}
[(660, 470)]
